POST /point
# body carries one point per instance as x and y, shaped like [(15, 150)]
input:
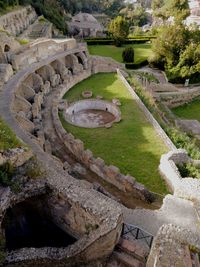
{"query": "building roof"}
[(86, 20)]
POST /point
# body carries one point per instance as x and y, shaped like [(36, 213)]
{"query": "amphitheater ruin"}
[(100, 209)]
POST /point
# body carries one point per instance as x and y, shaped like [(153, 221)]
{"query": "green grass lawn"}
[(7, 138), (142, 51), (189, 111), (132, 145)]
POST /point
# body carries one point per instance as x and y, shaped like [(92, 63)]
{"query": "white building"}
[(195, 12)]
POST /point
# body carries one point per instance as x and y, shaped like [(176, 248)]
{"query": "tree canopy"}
[(119, 29), (176, 49), (135, 15)]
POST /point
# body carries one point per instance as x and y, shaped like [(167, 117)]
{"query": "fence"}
[(130, 231)]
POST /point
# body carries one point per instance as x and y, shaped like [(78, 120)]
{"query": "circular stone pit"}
[(92, 113)]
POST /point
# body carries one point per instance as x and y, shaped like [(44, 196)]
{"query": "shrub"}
[(23, 41), (34, 169), (42, 19), (128, 55), (133, 66), (6, 173), (189, 170)]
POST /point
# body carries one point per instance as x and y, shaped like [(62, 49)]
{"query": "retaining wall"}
[(175, 99)]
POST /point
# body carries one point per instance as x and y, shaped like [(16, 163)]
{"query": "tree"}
[(178, 9), (136, 16), (119, 29)]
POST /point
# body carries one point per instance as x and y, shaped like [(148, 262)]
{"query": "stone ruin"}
[(92, 113), (83, 199)]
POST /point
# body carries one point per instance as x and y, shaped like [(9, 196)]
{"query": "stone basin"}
[(92, 113)]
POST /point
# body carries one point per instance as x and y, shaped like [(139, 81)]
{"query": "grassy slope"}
[(7, 138), (132, 144), (142, 51), (189, 111)]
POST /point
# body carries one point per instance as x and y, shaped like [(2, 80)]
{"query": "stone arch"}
[(34, 81), (6, 48), (58, 66), (82, 59), (71, 62), (46, 72), (60, 69)]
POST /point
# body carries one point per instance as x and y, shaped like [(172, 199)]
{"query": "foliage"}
[(142, 51), (8, 138), (130, 144), (42, 19), (110, 7), (6, 174), (23, 41), (134, 66), (189, 170), (118, 29), (34, 169), (180, 55), (179, 138), (149, 76), (128, 54), (178, 9), (135, 15)]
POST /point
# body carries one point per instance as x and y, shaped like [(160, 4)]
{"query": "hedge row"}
[(130, 38), (133, 66), (110, 41)]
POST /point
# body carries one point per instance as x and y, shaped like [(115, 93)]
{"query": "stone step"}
[(126, 260), (133, 248)]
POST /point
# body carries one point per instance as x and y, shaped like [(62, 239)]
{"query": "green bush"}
[(189, 170), (134, 66), (23, 41), (128, 55), (6, 175)]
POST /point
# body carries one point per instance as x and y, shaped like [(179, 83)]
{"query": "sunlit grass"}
[(132, 145), (142, 51), (189, 111), (7, 138)]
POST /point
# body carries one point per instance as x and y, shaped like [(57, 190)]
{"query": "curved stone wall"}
[(81, 217), (61, 73), (75, 108)]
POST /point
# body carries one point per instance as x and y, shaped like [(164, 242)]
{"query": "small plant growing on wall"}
[(128, 55)]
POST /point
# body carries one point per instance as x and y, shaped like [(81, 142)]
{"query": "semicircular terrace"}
[(22, 104)]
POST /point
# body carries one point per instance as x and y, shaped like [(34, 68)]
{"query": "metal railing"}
[(131, 231)]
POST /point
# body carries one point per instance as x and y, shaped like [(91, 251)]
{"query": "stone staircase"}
[(128, 254), (39, 30)]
